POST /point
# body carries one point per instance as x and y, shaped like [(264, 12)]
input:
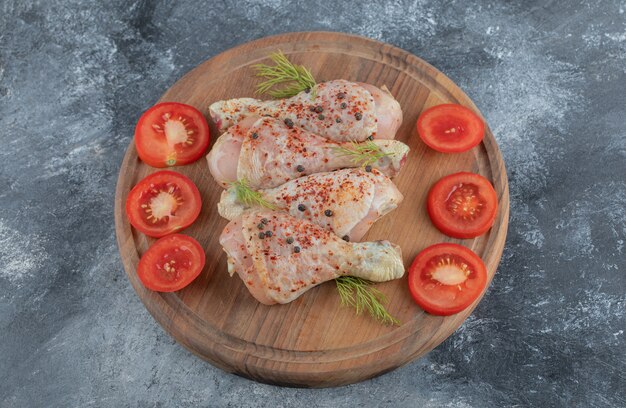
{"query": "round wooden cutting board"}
[(314, 341)]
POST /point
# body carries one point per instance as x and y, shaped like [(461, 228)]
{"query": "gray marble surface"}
[(549, 76)]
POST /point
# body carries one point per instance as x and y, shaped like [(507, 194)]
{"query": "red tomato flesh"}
[(450, 128), (444, 279), (162, 203), (171, 263), (170, 134), (462, 205)]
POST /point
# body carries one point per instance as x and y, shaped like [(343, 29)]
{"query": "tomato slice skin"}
[(450, 128), (171, 134), (162, 203), (462, 205), (450, 263), (171, 263)]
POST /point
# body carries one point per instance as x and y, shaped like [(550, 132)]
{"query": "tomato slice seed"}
[(171, 266), (176, 130), (160, 202), (449, 271), (464, 201)]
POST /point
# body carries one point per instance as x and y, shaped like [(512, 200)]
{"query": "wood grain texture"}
[(314, 341)]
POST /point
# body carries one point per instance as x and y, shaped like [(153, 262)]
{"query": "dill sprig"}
[(362, 154), (296, 78), (248, 196), (359, 293)]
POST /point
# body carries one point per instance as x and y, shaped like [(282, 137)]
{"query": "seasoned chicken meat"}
[(267, 152), (337, 110), (279, 257), (346, 202)]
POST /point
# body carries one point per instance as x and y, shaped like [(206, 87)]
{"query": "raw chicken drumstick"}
[(266, 153), (337, 110), (346, 202), (279, 257)]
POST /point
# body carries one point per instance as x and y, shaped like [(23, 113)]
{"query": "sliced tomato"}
[(446, 278), (171, 134), (162, 203), (171, 263), (450, 128), (462, 205)]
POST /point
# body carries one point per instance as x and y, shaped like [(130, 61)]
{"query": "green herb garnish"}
[(362, 154), (248, 196), (359, 293), (296, 78)]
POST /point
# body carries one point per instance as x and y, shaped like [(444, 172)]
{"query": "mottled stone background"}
[(550, 77)]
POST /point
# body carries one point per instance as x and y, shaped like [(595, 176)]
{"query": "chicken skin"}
[(338, 110), (279, 257), (346, 202), (267, 152)]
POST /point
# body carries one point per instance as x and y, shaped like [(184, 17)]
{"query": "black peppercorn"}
[(296, 249), (341, 95), (268, 233), (370, 137), (254, 135), (320, 116), (319, 109), (307, 90), (260, 226), (328, 213), (300, 168), (301, 207), (290, 240), (289, 123), (338, 120), (264, 221), (358, 116), (368, 168), (346, 238), (344, 105), (261, 235)]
